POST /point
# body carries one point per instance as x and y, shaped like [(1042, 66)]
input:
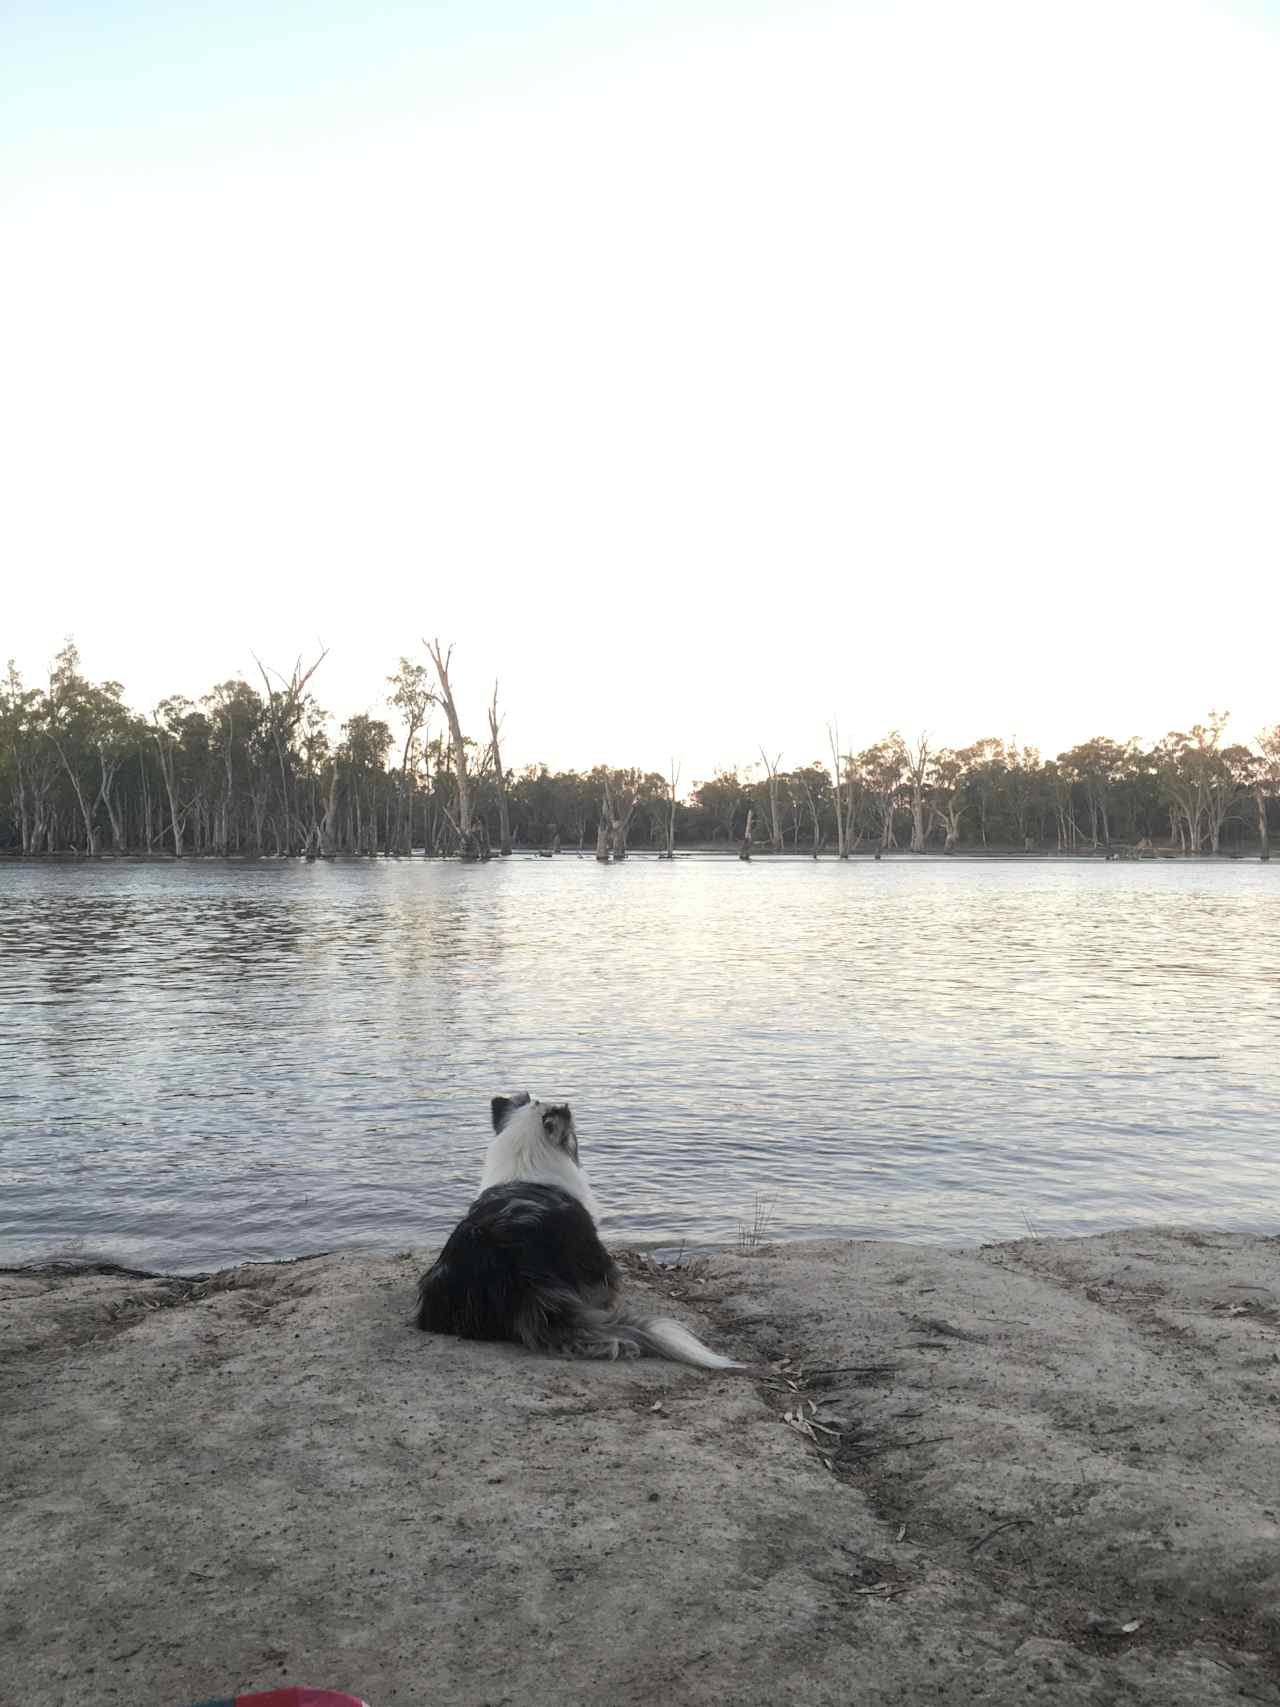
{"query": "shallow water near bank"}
[(203, 1064)]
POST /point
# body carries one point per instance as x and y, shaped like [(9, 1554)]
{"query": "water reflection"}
[(205, 1063)]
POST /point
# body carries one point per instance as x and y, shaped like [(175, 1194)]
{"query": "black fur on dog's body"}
[(526, 1263), (520, 1248)]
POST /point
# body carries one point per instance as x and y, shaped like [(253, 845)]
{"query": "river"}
[(205, 1063)]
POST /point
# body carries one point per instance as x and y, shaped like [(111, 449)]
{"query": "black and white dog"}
[(526, 1262)]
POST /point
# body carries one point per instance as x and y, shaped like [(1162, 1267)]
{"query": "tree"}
[(671, 817), (775, 817), (881, 768), (166, 732), (87, 726), (244, 770), (1023, 790), (1201, 780), (837, 778), (1096, 765), (915, 762), (948, 800), (363, 756), (1264, 777), (285, 706), (854, 795), (814, 786), (235, 713), (413, 699), (504, 818), (621, 791), (986, 767), (723, 800), (469, 843), (31, 759)]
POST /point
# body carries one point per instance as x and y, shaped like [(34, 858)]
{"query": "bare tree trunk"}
[(24, 817), (917, 765), (20, 800), (284, 709), (148, 818), (745, 851), (775, 820), (887, 837), (813, 813), (404, 835), (330, 813), (851, 839), (91, 846), (228, 788), (504, 821), (671, 814), (176, 820), (468, 845), (108, 771), (833, 735), (1260, 800), (619, 821)]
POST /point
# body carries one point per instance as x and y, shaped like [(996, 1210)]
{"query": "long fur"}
[(526, 1262)]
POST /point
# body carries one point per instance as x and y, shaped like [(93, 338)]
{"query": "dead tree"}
[(499, 775), (744, 852), (671, 815), (852, 799), (812, 803), (620, 802), (775, 816), (166, 744), (1266, 782), (602, 828), (833, 735), (468, 842), (325, 840), (285, 706), (916, 760), (413, 699)]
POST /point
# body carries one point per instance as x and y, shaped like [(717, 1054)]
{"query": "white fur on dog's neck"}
[(522, 1151)]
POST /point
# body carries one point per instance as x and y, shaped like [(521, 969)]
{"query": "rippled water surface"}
[(207, 1063)]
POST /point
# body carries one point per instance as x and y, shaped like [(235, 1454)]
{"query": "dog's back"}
[(519, 1247)]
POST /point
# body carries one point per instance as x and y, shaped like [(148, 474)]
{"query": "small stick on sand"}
[(1009, 1523)]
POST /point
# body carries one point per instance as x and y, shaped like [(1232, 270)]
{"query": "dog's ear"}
[(502, 1108), (557, 1124)]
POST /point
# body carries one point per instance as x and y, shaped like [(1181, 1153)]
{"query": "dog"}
[(526, 1263)]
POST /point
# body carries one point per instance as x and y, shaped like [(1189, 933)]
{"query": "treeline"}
[(257, 770)]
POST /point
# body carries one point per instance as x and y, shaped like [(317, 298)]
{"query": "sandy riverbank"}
[(217, 1488)]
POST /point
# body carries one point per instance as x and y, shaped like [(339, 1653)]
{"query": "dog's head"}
[(555, 1118)]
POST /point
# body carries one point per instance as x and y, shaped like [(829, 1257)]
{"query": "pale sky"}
[(700, 369)]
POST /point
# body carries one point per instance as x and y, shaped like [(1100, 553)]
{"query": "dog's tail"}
[(663, 1337), (561, 1321)]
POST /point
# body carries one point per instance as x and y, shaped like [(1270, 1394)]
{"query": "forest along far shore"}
[(258, 770)]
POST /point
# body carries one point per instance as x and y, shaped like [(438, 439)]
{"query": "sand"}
[(1038, 1472)]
